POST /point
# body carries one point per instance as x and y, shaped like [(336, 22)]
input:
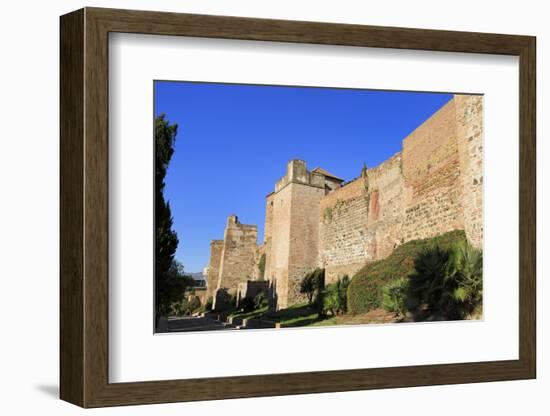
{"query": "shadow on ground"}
[(191, 323), (51, 390)]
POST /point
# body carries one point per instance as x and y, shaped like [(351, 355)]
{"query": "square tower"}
[(292, 225)]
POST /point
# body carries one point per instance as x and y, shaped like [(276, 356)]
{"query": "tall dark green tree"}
[(169, 282)]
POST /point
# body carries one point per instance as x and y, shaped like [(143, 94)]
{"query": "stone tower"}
[(237, 260), (292, 229), (213, 269)]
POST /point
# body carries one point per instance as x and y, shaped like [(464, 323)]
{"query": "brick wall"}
[(344, 237), (469, 114), (431, 169), (362, 220)]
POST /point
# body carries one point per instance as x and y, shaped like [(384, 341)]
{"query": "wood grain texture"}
[(84, 207), (71, 213), (96, 209), (527, 208)]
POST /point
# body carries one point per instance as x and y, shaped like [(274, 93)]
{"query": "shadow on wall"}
[(272, 295)]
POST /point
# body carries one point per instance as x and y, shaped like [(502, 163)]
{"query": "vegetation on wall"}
[(365, 289), (327, 215)]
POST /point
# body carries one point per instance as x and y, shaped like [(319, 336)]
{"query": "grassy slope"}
[(300, 314), (364, 292), (375, 316)]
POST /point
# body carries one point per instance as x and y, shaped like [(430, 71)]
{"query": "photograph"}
[(309, 206)]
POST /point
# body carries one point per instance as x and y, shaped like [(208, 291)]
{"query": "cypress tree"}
[(169, 285)]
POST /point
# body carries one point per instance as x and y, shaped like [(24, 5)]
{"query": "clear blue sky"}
[(234, 142)]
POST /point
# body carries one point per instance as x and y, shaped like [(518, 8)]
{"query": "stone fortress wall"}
[(360, 221), (237, 257), (313, 219)]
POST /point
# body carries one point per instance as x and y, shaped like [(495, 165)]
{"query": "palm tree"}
[(446, 283)]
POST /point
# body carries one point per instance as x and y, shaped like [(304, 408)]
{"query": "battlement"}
[(234, 223), (296, 172)]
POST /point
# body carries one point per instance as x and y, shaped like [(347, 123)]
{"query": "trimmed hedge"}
[(365, 290)]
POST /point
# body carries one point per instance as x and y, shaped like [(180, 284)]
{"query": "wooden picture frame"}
[(84, 207)]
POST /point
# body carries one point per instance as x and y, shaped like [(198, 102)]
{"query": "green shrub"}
[(247, 304), (319, 285), (428, 285), (225, 301), (446, 283), (208, 304), (335, 297), (394, 296), (365, 289), (331, 301), (260, 300), (179, 308), (468, 270), (313, 284), (193, 305)]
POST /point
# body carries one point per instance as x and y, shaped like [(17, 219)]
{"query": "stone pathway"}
[(192, 323)]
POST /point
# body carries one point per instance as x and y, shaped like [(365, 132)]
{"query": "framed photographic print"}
[(255, 207)]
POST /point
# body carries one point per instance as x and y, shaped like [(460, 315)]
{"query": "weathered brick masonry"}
[(432, 186), (360, 221)]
